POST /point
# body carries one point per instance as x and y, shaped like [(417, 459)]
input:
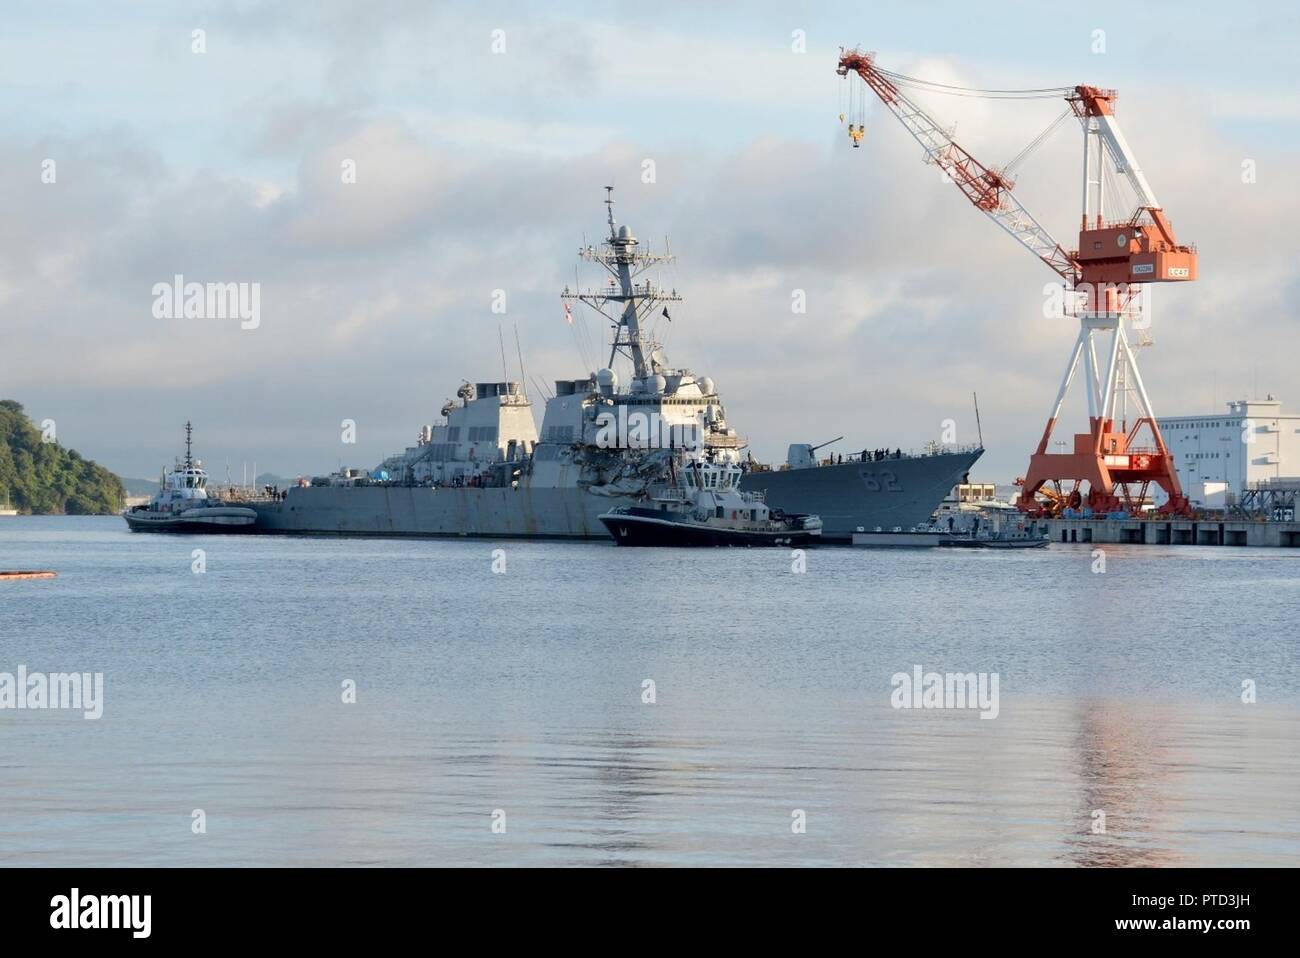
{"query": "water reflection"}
[(1122, 754)]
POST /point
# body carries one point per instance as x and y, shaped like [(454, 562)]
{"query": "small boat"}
[(707, 508), (183, 505)]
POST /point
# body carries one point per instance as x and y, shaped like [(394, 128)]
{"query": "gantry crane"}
[(1104, 277)]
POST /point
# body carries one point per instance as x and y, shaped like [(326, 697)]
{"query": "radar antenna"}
[(626, 264)]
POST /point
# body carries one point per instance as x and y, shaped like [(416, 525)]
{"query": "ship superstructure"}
[(620, 439), (486, 437), (597, 434)]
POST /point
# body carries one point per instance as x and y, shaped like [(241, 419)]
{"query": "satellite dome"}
[(658, 384), (607, 377), (625, 232), (706, 386)]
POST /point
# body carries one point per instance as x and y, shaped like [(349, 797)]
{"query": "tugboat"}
[(182, 503), (707, 508)]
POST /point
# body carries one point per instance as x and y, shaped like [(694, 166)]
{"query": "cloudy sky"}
[(481, 169)]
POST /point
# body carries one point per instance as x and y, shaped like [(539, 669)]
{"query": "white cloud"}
[(376, 294)]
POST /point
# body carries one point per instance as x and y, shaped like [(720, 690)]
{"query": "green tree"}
[(42, 478)]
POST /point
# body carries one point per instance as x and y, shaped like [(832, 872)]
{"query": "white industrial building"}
[(1220, 457)]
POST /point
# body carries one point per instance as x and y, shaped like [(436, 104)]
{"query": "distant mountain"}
[(140, 487), (149, 487), (43, 478)]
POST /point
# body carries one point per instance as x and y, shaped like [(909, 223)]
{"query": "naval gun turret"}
[(801, 455)]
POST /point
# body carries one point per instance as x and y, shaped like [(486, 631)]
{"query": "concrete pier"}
[(1189, 532)]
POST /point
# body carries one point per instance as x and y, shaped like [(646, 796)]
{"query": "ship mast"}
[(619, 255), (189, 459)]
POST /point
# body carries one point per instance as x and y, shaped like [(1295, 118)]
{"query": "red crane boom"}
[(988, 189)]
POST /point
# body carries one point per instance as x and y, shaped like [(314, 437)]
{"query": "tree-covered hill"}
[(43, 478)]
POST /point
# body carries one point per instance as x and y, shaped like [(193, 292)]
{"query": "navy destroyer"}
[(485, 470)]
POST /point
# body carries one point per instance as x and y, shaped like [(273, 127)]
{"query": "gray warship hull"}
[(863, 496), (423, 511), (892, 493)]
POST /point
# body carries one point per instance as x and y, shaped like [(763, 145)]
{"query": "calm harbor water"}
[(522, 692)]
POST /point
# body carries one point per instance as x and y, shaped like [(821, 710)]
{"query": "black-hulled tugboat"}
[(705, 507), (182, 503)]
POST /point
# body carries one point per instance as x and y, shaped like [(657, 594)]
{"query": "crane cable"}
[(932, 86), (1037, 141), (1041, 93)]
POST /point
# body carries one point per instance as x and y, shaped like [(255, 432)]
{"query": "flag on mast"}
[(568, 314)]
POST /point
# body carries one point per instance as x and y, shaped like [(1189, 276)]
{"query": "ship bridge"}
[(487, 424)]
